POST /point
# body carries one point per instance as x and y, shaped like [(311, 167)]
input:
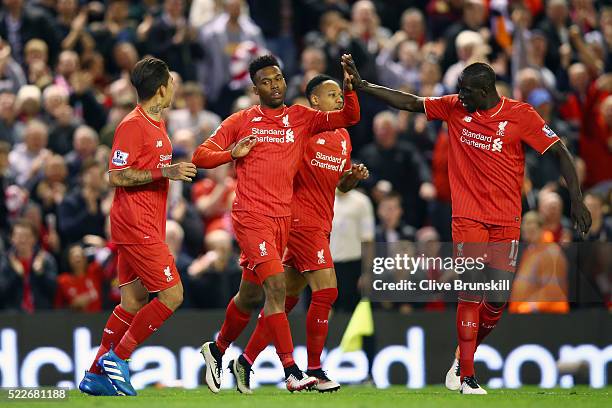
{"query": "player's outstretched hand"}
[(350, 71), (243, 147), (360, 171), (184, 171), (581, 217)]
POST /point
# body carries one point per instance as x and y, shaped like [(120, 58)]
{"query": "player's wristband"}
[(156, 174)]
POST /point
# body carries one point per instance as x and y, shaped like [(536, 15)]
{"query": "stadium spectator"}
[(474, 19), (80, 288), (390, 227), (403, 72), (36, 59), (413, 26), (80, 213), (193, 116), (49, 189), (12, 76), (399, 163), (353, 224), (60, 115), (550, 209), (28, 274), (556, 28), (8, 117), (84, 147), (27, 158), (19, 24), (213, 277), (220, 39), (213, 197), (365, 25), (71, 24), (540, 284), (174, 41), (312, 63)]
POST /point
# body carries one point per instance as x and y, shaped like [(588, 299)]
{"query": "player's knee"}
[(275, 288), (172, 297), (133, 304), (325, 297)]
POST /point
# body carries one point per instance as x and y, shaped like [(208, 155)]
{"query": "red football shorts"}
[(308, 250), (261, 239), (497, 244), (153, 264)]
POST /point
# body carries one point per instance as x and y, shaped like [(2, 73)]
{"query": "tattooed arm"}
[(130, 177)]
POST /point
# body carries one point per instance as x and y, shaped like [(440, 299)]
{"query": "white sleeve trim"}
[(550, 145), (123, 168), (216, 144)]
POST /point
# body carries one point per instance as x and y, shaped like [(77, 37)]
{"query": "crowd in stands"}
[(64, 87)]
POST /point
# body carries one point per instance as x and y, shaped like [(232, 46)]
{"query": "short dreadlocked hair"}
[(315, 82), (264, 61)]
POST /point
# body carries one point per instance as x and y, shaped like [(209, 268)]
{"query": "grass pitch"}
[(348, 396)]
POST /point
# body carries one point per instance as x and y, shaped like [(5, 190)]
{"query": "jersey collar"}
[(492, 112), (155, 123)]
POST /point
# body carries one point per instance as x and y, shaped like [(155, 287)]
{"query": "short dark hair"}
[(88, 164), (315, 82), (264, 61), (481, 74), (148, 75), (27, 224), (392, 195)]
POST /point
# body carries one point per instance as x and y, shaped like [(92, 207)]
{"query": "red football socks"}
[(278, 327), (467, 331), (116, 326), (234, 323), (146, 322), (488, 318), (317, 324), (261, 337)]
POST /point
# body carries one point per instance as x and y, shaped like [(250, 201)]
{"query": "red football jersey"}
[(265, 175), (138, 214), (326, 157), (486, 159)]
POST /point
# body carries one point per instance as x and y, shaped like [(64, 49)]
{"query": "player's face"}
[(470, 96), (328, 97), (271, 87)]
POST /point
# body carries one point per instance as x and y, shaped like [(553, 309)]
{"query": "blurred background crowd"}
[(64, 87)]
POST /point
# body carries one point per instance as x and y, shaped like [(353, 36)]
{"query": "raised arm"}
[(397, 99), (581, 217), (351, 178)]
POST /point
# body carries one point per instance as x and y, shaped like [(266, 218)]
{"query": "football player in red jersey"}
[(486, 164), (269, 141), (139, 169), (326, 164)]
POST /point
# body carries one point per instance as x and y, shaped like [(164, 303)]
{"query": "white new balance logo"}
[(467, 119), (107, 330), (256, 119), (321, 257), (321, 141), (497, 145), (262, 249), (159, 143)]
